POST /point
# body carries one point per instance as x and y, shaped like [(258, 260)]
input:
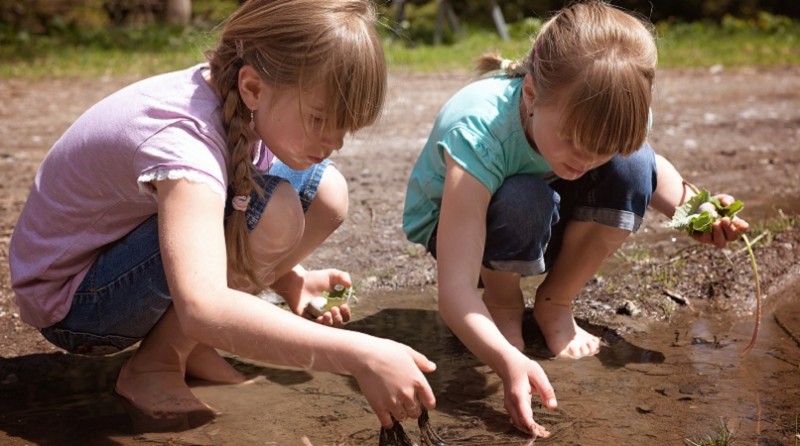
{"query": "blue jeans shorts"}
[(125, 292), (526, 217)]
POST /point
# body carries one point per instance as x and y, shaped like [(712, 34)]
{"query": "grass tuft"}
[(722, 436)]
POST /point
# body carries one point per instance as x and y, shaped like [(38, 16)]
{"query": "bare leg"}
[(504, 300), (273, 240), (205, 363), (323, 217), (585, 247), (152, 380)]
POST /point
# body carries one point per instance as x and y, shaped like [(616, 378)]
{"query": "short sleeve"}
[(481, 157), (181, 151)]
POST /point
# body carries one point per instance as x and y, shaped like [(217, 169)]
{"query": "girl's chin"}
[(570, 174)]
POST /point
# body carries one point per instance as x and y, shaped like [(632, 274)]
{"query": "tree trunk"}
[(178, 12)]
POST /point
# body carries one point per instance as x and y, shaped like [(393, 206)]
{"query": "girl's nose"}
[(334, 140)]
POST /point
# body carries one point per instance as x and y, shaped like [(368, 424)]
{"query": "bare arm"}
[(672, 192), (193, 250), (461, 237)]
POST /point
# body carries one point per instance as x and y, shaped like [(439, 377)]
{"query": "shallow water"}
[(661, 385)]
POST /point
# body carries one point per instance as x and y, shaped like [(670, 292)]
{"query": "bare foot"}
[(508, 319), (205, 363), (563, 335), (160, 400)]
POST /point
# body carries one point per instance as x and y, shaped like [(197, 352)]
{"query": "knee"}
[(525, 201), (331, 203), (282, 224)]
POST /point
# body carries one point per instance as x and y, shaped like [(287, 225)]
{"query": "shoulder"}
[(485, 106)]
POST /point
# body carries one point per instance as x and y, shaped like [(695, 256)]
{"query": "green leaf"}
[(732, 209), (340, 293), (688, 216)]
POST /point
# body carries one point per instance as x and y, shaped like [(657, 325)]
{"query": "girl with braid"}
[(168, 205)]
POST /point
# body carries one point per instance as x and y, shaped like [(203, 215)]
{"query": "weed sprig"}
[(698, 215)]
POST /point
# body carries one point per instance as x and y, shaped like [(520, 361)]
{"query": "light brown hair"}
[(597, 63), (301, 44)]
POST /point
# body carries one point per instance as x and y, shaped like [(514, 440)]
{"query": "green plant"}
[(697, 215), (340, 295), (721, 437)]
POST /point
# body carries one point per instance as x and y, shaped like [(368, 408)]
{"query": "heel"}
[(143, 421)]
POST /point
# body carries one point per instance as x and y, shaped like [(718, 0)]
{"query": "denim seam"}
[(143, 265)]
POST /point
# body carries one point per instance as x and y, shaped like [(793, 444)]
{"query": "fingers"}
[(345, 311), (718, 234), (542, 386), (400, 410), (423, 392), (538, 431), (518, 399), (424, 364), (727, 230), (723, 231), (335, 317), (725, 199), (520, 411), (338, 277), (413, 409), (385, 417)]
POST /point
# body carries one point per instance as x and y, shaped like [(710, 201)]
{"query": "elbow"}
[(195, 316)]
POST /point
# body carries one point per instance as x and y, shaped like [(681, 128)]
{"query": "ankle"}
[(551, 301)]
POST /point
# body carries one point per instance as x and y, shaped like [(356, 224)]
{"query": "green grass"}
[(768, 41), (722, 436)]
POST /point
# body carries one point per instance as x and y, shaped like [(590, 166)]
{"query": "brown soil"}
[(736, 131)]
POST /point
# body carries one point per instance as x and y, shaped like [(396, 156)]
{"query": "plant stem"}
[(758, 296)]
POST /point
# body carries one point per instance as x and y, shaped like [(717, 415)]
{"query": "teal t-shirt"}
[(480, 128)]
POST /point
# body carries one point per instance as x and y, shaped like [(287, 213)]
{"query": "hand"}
[(391, 379), (522, 377), (299, 286), (725, 229)]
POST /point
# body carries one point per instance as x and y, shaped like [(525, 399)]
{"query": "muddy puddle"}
[(660, 385)]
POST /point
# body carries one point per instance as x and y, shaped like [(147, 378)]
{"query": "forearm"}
[(671, 191), (469, 319), (255, 329)]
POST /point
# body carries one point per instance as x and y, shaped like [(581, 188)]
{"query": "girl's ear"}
[(528, 92), (250, 86)]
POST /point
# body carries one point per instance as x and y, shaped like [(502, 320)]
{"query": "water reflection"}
[(661, 385)]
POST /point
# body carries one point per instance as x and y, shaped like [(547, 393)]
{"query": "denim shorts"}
[(526, 217), (125, 292)]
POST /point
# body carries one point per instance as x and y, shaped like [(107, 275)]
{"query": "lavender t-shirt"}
[(93, 187)]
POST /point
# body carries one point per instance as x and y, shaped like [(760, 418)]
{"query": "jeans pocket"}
[(86, 343)]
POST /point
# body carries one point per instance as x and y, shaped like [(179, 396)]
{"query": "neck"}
[(525, 117)]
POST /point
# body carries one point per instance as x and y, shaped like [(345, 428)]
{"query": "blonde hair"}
[(597, 63), (302, 44)]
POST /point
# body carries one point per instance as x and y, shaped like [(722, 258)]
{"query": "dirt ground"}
[(736, 131)]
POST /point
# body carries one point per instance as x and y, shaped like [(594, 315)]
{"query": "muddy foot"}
[(143, 421)]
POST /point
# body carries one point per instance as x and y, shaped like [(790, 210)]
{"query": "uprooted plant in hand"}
[(697, 215), (340, 295)]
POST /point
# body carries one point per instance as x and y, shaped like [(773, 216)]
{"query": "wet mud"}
[(668, 371), (662, 385)]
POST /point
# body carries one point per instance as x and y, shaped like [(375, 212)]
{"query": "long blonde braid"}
[(301, 44)]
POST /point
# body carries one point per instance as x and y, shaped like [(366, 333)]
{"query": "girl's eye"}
[(316, 121)]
